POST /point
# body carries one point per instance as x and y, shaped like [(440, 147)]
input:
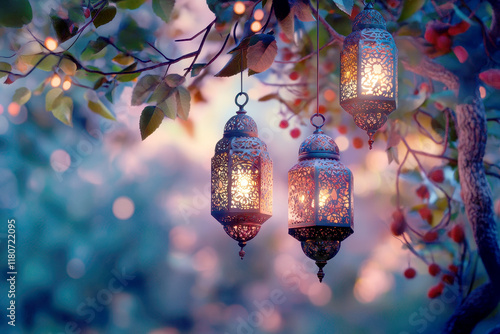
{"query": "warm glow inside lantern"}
[(242, 179), (368, 72), (320, 211)]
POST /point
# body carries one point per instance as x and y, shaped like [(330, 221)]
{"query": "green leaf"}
[(169, 107), (144, 88), (197, 68), (64, 110), (123, 59), (303, 11), (161, 93), (174, 80), (75, 14), (65, 29), (4, 67), (410, 7), (261, 52), (97, 106), (238, 62), (21, 96), (51, 98), (408, 50), (163, 9), (130, 4), (68, 67), (15, 13), (131, 36), (151, 118), (183, 102), (345, 5), (94, 49), (130, 76), (47, 64), (105, 16)]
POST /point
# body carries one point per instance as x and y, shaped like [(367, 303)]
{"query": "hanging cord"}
[(317, 114), (241, 93)]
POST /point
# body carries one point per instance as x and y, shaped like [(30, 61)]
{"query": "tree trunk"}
[(477, 197)]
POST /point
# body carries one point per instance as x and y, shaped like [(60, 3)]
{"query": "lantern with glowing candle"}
[(242, 179), (368, 72), (320, 211)]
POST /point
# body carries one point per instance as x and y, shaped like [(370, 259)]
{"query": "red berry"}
[(357, 142), (430, 236), (86, 12), (321, 109), (424, 86), (443, 43), (284, 124), (491, 77), (461, 54), (410, 273), (453, 268), (287, 54), (457, 234), (426, 214), (297, 102), (342, 129), (437, 175), (434, 269), (295, 133), (398, 225), (294, 76), (393, 3), (423, 192), (448, 279), (431, 34), (459, 28), (435, 291)]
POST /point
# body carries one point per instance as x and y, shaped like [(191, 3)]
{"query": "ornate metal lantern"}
[(320, 211), (242, 179), (368, 72)]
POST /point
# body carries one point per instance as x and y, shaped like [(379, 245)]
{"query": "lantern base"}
[(242, 233), (321, 273), (320, 232)]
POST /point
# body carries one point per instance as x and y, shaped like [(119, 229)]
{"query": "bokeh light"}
[(50, 43), (183, 238), (239, 7), (60, 161), (319, 294), (1, 109), (66, 84), (75, 268), (123, 208), (342, 143), (255, 26), (482, 91), (258, 15), (14, 108), (329, 95), (55, 81), (4, 125)]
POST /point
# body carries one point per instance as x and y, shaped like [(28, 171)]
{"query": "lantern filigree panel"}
[(323, 181), (377, 63), (349, 70)]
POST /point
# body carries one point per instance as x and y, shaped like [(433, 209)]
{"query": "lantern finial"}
[(321, 273)]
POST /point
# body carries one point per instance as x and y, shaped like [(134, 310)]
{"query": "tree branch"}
[(437, 72), (472, 136)]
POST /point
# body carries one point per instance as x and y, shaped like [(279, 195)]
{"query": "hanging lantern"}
[(242, 179), (368, 72), (320, 211)]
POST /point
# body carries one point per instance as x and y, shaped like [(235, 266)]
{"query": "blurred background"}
[(114, 235)]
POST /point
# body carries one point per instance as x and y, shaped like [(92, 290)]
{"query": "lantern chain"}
[(317, 114)]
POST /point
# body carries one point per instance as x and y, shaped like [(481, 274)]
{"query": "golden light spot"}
[(377, 68), (55, 81), (258, 14), (342, 143), (256, 26), (239, 8), (50, 43), (66, 84)]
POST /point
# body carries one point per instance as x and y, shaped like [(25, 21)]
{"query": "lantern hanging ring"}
[(318, 126), (241, 105)]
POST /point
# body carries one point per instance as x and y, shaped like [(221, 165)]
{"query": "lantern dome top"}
[(368, 18), (319, 145), (241, 125)]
